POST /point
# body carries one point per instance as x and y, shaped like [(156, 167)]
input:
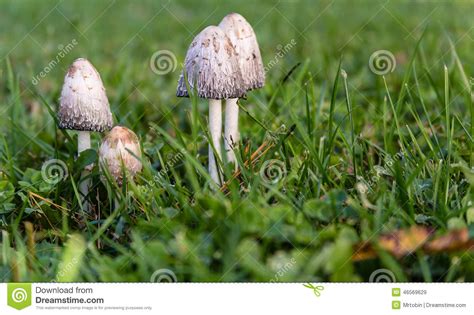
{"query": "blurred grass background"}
[(310, 220)]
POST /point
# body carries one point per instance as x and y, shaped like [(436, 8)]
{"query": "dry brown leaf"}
[(454, 240), (404, 242)]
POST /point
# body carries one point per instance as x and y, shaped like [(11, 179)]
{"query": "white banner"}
[(236, 298)]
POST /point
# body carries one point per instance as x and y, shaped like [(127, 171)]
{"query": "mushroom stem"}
[(84, 143), (215, 129), (231, 129)]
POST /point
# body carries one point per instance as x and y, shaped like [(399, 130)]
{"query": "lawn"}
[(356, 157)]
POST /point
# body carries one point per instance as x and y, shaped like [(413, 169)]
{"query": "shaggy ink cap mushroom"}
[(245, 44), (212, 67), (84, 107), (83, 104)]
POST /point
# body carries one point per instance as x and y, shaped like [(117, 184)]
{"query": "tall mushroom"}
[(120, 153), (245, 43), (212, 70), (84, 107)]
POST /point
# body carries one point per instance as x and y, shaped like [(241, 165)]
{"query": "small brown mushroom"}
[(120, 151)]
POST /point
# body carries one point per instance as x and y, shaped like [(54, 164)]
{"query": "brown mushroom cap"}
[(212, 67), (83, 104), (114, 152), (245, 43)]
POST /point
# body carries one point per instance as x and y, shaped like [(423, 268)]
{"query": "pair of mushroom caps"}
[(223, 63), (84, 107)]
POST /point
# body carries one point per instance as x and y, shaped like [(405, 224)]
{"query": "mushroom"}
[(84, 107), (245, 44), (212, 70), (120, 153)]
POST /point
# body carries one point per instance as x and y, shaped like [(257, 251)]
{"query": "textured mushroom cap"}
[(83, 103), (211, 67), (245, 43), (113, 153)]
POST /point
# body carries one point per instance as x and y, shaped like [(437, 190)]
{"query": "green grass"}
[(334, 124)]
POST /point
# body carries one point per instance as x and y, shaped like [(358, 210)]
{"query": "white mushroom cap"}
[(113, 153), (83, 104), (245, 43), (211, 67)]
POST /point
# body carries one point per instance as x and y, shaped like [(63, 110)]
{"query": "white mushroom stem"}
[(84, 143), (215, 129), (231, 129)]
